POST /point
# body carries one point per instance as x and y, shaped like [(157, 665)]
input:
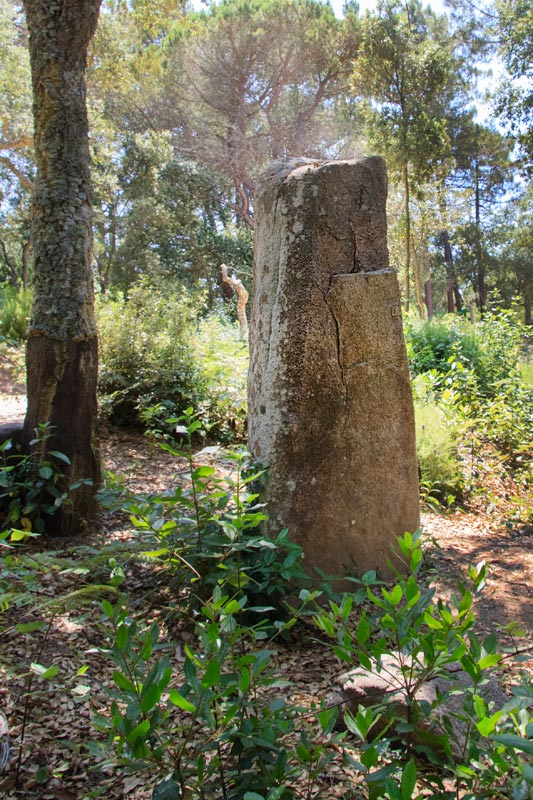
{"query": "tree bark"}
[(418, 279), (62, 350), (480, 256), (407, 212), (428, 298), (453, 294), (455, 301)]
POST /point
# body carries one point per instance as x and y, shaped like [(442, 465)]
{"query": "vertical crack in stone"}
[(356, 265), (338, 335)]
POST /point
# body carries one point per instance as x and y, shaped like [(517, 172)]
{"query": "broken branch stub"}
[(242, 298), (330, 407)]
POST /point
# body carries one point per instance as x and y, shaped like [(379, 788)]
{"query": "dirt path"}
[(12, 397)]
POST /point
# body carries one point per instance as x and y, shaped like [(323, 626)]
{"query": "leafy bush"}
[(471, 378), (489, 350), (220, 724), (15, 310), (439, 461), (211, 728), (405, 632), (432, 345), (222, 359), (146, 354), (32, 488), (158, 356), (206, 532)]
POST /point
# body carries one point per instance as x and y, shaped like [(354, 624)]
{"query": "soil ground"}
[(54, 764)]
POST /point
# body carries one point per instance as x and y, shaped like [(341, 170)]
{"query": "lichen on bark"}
[(62, 352)]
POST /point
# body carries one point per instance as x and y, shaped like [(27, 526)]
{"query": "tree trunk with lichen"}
[(62, 350)]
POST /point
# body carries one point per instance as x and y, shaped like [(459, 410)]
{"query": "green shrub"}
[(15, 310), (432, 345), (146, 354), (222, 359), (472, 375), (439, 462), (210, 729), (489, 350), (159, 355), (501, 335), (32, 488), (526, 369), (206, 531), (466, 748)]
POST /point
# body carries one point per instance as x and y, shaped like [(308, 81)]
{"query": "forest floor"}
[(54, 719)]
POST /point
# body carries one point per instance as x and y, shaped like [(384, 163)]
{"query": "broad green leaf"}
[(211, 674), (60, 456), (396, 595), (408, 782), (203, 472), (122, 637), (489, 661), (515, 741), (178, 700), (527, 773), (45, 673), (244, 680), (487, 725), (123, 682), (140, 731), (29, 627), (150, 697), (370, 757), (107, 608), (363, 631)]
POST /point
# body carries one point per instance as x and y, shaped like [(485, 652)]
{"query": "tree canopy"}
[(187, 107)]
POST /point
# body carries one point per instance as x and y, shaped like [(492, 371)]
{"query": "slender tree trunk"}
[(418, 279), (26, 247), (454, 299), (407, 211), (11, 266), (428, 298), (528, 303), (62, 357), (480, 257)]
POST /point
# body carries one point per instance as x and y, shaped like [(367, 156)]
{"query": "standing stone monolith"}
[(330, 406)]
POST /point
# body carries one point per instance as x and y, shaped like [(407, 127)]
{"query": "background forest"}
[(188, 107)]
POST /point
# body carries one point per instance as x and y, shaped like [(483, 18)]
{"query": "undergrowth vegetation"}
[(470, 397), (194, 704), (160, 354)]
